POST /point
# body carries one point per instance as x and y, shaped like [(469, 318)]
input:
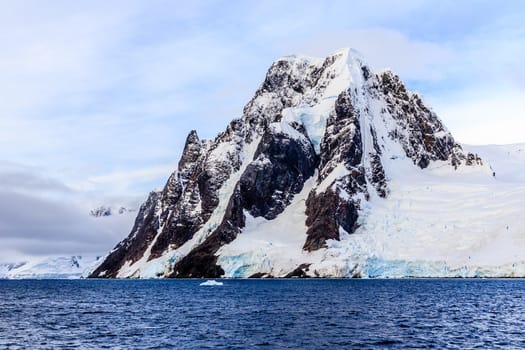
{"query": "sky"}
[(97, 97)]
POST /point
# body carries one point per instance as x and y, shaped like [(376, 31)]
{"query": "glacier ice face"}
[(380, 268)]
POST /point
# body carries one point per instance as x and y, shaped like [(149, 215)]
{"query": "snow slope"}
[(436, 224)]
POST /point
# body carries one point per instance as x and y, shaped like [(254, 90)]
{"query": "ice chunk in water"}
[(211, 283)]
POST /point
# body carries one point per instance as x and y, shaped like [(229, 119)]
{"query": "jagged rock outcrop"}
[(333, 120)]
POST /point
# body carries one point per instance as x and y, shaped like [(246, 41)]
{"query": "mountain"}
[(63, 267), (333, 170)]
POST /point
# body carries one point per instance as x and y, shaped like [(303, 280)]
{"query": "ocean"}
[(265, 314)]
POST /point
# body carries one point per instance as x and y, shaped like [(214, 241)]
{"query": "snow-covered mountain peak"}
[(321, 144)]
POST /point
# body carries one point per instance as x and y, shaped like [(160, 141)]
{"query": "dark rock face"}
[(473, 159), (282, 165), (261, 275), (326, 212), (300, 272), (201, 261), (377, 175), (188, 162), (279, 77), (342, 139)]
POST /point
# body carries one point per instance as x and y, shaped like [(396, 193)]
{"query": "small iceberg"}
[(211, 283)]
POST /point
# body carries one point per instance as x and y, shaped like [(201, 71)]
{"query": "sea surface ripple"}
[(266, 314)]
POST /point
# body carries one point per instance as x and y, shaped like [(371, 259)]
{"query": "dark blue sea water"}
[(266, 314)]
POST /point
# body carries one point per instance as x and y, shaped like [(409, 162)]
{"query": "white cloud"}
[(41, 216), (53, 52), (482, 99), (100, 88), (124, 181), (494, 117)]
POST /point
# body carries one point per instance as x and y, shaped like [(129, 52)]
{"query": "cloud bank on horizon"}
[(98, 97)]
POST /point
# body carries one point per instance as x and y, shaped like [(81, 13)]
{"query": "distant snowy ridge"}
[(109, 210), (333, 170), (62, 267)]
